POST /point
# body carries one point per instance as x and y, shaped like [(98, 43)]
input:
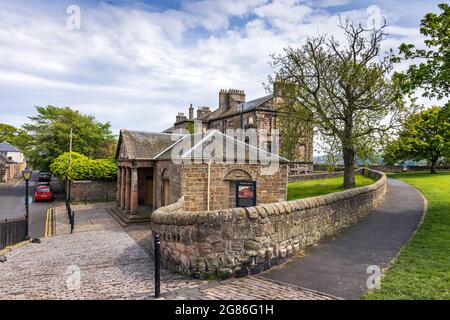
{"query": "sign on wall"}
[(245, 193)]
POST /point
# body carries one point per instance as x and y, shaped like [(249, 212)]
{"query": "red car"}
[(43, 193)]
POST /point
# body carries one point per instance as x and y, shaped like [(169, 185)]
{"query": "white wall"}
[(15, 156)]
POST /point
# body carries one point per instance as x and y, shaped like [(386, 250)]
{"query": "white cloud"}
[(138, 68)]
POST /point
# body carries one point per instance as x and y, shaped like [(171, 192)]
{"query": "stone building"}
[(234, 112), (12, 161), (11, 152), (157, 169)]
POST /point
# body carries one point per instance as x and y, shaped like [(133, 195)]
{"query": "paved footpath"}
[(338, 266), (103, 261)]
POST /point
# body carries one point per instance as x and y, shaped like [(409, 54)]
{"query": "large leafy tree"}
[(17, 137), (343, 89), (7, 132), (425, 136), (50, 130), (432, 72)]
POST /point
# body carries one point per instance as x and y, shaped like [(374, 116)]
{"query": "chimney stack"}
[(191, 112), (180, 117), (202, 111), (230, 98)]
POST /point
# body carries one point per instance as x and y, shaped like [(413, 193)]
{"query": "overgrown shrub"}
[(83, 168)]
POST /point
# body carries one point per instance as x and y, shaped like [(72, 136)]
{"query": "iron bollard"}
[(157, 266), (6, 233), (72, 221)]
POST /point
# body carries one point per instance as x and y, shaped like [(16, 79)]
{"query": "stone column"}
[(134, 196), (119, 186), (122, 188), (127, 188)]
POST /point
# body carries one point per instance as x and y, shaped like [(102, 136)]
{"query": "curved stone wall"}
[(241, 241)]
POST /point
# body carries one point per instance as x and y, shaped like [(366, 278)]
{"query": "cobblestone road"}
[(112, 265)]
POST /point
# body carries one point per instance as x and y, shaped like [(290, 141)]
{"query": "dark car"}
[(44, 177)]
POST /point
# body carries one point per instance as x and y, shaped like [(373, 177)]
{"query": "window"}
[(232, 195), (250, 120), (269, 146)]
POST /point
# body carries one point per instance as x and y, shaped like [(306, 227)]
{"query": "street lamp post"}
[(26, 174)]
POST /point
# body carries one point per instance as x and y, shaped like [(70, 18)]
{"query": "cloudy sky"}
[(137, 63)]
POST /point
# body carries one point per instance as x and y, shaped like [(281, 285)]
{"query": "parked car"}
[(44, 177), (43, 184), (43, 193)]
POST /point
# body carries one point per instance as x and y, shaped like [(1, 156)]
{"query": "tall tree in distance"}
[(7, 132), (50, 130), (17, 137), (432, 74), (425, 135), (343, 89)]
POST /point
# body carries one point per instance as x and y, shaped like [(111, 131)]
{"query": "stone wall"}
[(241, 241), (316, 176), (10, 171), (93, 190), (194, 184), (172, 172)]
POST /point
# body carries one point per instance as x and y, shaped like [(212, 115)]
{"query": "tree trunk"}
[(433, 166), (349, 168)]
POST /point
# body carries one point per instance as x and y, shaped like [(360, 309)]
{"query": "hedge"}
[(83, 168)]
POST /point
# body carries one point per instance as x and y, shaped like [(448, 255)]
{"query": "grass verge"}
[(312, 188), (422, 270)]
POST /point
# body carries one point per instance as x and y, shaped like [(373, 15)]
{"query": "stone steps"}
[(125, 220)]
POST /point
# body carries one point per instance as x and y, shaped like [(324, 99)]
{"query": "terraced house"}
[(12, 161), (261, 114)]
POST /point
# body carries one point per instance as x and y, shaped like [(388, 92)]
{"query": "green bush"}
[(83, 168)]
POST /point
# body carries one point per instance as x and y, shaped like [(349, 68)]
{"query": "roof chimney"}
[(203, 111), (180, 117), (228, 99), (191, 112)]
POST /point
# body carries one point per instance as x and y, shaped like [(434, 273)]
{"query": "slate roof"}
[(195, 146), (141, 145), (7, 147), (242, 107)]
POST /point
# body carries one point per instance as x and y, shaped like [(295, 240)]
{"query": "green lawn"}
[(311, 188), (422, 270)]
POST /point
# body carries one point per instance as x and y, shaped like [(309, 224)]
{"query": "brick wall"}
[(241, 241)]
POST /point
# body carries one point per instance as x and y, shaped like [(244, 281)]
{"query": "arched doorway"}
[(232, 177), (165, 188)]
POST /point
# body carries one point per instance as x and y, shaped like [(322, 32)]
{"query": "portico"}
[(135, 156), (135, 186)]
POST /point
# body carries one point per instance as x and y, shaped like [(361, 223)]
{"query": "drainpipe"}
[(209, 183)]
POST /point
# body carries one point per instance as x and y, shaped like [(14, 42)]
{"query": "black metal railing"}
[(12, 232), (71, 216)]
